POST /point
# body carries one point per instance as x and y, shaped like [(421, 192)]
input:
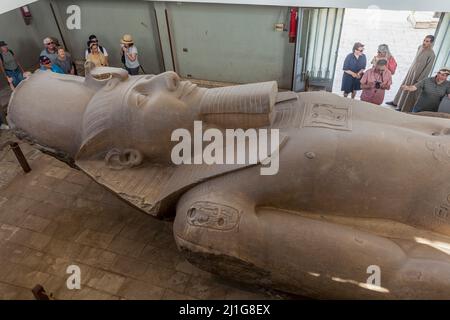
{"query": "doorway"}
[(403, 31)]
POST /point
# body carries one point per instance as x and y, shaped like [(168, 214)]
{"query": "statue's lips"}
[(187, 89)]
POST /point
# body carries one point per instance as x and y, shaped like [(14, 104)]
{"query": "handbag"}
[(392, 65)]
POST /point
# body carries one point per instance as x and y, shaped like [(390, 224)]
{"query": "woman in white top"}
[(130, 54)]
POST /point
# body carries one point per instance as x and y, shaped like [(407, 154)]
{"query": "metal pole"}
[(19, 155)]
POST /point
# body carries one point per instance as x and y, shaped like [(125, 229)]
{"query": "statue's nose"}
[(170, 80)]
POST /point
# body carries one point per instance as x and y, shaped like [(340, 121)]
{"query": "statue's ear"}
[(121, 159), (99, 76)]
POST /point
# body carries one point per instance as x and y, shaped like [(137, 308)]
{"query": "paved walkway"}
[(56, 216), (374, 27)]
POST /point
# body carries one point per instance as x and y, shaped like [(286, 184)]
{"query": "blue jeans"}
[(16, 76)]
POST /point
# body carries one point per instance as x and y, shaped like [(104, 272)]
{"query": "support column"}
[(164, 36)]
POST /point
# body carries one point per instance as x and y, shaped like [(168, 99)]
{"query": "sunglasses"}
[(360, 50), (49, 43)]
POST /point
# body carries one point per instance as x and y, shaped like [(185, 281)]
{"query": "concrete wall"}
[(109, 20), (231, 43)]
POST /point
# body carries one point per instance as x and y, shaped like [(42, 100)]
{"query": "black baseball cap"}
[(44, 60)]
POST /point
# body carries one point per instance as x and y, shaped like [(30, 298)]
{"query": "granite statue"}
[(359, 208)]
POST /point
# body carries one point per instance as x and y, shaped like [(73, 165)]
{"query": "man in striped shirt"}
[(433, 89)]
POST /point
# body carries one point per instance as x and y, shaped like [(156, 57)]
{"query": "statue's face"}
[(159, 105), (164, 91)]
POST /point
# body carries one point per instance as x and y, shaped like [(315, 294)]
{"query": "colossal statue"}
[(358, 208)]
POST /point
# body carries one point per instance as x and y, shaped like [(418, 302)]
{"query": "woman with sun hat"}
[(130, 54)]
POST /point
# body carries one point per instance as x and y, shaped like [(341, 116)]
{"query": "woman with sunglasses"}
[(96, 56), (93, 39), (354, 66)]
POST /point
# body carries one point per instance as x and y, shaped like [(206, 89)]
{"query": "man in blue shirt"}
[(46, 64)]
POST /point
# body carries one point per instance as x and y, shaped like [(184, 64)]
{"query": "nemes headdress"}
[(100, 130)]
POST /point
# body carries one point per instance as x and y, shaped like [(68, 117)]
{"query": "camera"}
[(377, 85)]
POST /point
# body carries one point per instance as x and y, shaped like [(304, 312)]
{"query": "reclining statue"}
[(358, 208)]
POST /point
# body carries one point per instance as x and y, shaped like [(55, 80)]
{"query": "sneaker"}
[(4, 127), (391, 104)]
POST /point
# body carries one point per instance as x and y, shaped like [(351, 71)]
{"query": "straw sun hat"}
[(126, 39)]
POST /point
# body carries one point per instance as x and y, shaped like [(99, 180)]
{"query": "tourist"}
[(375, 82), (93, 39), (354, 66), (50, 50), (385, 54), (46, 64), (96, 56), (419, 70), (432, 90), (10, 66), (64, 61), (130, 54)]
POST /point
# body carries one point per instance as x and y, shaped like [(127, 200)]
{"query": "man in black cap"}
[(46, 64), (10, 66)]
